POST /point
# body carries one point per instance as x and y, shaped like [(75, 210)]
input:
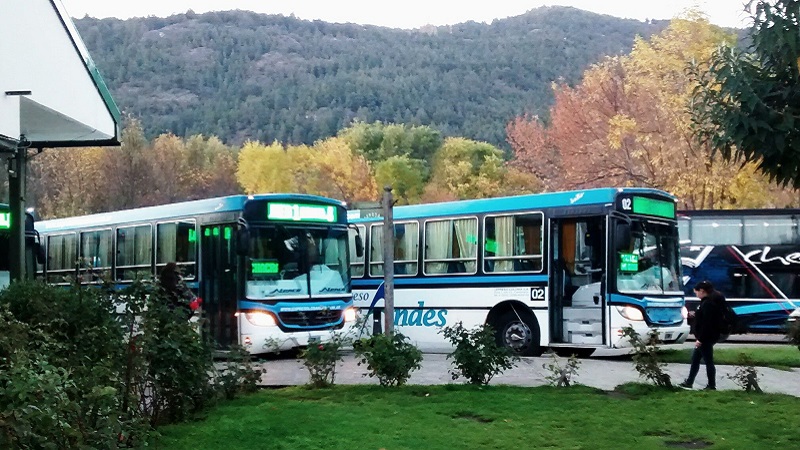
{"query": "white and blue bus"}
[(270, 269), (752, 256), (566, 270)]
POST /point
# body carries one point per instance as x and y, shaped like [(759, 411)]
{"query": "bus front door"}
[(579, 263), (218, 283)]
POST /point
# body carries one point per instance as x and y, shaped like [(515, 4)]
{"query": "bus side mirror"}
[(359, 246), (622, 236)]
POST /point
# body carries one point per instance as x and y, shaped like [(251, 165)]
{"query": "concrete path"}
[(596, 372)]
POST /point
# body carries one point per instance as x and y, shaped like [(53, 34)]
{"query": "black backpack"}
[(727, 323)]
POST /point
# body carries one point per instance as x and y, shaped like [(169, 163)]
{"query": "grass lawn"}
[(776, 356), (496, 417)]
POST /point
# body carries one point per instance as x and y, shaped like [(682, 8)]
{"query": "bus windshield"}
[(651, 263), (288, 261)]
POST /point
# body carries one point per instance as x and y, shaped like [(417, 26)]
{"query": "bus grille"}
[(664, 316), (310, 319)]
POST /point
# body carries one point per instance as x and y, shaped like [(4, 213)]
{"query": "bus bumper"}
[(668, 335), (257, 340)]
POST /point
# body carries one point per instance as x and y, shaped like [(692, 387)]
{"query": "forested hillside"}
[(240, 75)]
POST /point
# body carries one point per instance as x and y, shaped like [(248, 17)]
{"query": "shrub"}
[(60, 355), (321, 359), (645, 357), (238, 376), (390, 358), (76, 374), (793, 332), (561, 375), (746, 374), (477, 357), (179, 362)]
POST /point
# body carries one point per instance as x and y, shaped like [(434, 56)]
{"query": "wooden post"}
[(388, 261)]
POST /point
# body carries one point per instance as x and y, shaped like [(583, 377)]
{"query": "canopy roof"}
[(50, 89)]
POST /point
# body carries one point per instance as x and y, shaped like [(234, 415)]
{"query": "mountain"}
[(241, 75)]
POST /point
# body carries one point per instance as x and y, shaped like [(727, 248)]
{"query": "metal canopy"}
[(50, 90), (51, 95)]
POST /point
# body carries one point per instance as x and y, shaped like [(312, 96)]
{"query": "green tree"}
[(747, 103), (405, 175), (465, 169)]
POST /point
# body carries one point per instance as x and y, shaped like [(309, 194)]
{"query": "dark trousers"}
[(705, 352)]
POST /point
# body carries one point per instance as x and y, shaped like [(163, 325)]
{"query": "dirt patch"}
[(696, 443), (472, 416)]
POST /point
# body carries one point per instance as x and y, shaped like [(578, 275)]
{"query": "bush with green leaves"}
[(646, 359), (476, 356), (238, 375), (793, 332), (321, 359), (561, 375), (93, 367), (59, 358), (746, 374), (389, 358)]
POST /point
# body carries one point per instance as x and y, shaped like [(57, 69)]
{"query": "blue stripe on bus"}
[(463, 280), (764, 308), (275, 308), (500, 204)]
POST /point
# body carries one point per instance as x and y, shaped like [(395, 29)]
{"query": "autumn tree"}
[(747, 103), (211, 168), (336, 171), (627, 124), (127, 170), (329, 168), (268, 168), (67, 181)]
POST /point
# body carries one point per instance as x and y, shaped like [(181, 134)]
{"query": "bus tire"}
[(520, 336)]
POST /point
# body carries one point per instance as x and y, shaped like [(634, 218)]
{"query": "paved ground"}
[(597, 371)]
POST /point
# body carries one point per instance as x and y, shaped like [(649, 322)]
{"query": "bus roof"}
[(739, 212), (520, 202), (173, 210)]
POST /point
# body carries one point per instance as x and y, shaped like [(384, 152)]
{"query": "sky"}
[(409, 13)]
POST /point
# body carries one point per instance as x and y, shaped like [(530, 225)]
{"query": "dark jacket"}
[(708, 318)]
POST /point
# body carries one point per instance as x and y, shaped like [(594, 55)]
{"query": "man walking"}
[(707, 323)]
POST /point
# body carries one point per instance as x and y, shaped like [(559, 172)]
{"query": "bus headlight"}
[(684, 313), (350, 315), (261, 319), (631, 313)]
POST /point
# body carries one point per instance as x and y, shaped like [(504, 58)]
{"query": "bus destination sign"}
[(301, 212), (5, 221), (264, 267), (647, 206)]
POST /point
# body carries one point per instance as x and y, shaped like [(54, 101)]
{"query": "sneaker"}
[(685, 385), (710, 388)]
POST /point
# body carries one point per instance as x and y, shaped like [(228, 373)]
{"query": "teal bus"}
[(271, 269), (31, 246), (562, 270)]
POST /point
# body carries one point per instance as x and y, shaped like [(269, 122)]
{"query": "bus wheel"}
[(518, 333)]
